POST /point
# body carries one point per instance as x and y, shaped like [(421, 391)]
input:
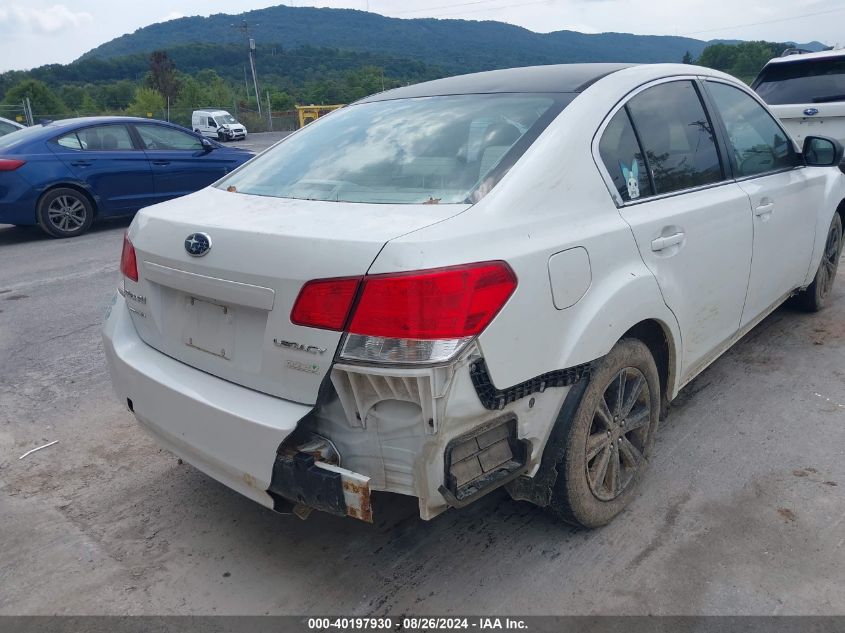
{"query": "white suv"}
[(499, 279), (807, 93)]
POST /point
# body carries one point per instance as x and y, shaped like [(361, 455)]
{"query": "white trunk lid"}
[(228, 312), (828, 120)]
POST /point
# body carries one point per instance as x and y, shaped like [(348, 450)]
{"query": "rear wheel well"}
[(658, 341), (68, 185), (841, 211)]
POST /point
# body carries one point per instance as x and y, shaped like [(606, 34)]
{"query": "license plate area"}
[(209, 327)]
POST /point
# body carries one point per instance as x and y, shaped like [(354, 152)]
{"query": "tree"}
[(72, 96), (217, 91), (688, 59), (88, 106), (280, 100), (147, 103), (162, 76), (113, 96), (743, 60), (43, 100), (192, 94)]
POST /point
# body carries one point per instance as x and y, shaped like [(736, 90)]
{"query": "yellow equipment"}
[(309, 113)]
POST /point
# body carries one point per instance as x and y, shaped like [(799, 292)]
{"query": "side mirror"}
[(206, 144), (820, 151)]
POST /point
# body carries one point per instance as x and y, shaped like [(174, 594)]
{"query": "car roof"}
[(834, 54), (210, 112), (85, 120), (554, 78)]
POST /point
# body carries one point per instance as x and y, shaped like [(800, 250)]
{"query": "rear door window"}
[(758, 143), (623, 159), (677, 136), (806, 81), (98, 138)]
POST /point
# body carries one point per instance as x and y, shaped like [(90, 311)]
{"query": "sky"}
[(36, 32)]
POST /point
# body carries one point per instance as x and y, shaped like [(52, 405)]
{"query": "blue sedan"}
[(61, 175)]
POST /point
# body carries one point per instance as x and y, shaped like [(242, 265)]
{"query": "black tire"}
[(221, 137), (583, 494), (817, 295), (196, 131), (65, 212)]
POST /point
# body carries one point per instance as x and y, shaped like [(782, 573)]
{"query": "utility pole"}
[(244, 28)]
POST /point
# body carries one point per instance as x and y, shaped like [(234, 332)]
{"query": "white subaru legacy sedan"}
[(499, 279)]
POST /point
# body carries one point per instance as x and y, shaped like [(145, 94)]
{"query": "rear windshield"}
[(421, 150), (13, 138), (811, 81)]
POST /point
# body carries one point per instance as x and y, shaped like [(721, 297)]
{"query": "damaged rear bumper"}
[(229, 432), (421, 432), (299, 478)]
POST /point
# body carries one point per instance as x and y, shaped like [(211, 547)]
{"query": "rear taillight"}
[(325, 303), (420, 316), (128, 263), (10, 164)]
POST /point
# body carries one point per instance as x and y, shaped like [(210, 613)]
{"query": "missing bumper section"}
[(483, 460)]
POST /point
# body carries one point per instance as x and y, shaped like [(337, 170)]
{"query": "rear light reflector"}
[(377, 349), (325, 303), (128, 263), (10, 164), (437, 304)]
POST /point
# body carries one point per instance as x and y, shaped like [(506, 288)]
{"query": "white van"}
[(217, 124)]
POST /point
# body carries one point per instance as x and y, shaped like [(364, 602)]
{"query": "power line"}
[(794, 17)]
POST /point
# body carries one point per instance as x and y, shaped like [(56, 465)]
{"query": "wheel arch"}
[(69, 185), (628, 306), (841, 211), (658, 338)]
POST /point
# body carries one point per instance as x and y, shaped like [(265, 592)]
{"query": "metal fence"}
[(282, 120), (15, 113)]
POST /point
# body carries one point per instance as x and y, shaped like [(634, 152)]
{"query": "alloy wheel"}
[(618, 433), (830, 260), (67, 213)]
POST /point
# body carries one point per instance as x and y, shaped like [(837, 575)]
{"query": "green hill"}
[(310, 55), (454, 45)]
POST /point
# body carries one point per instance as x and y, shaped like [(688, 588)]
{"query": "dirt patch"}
[(787, 514)]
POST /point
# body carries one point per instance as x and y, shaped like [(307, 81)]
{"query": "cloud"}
[(50, 20)]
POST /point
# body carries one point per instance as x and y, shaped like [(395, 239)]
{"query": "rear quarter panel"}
[(21, 189)]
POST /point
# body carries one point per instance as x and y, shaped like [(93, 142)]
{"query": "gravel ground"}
[(741, 513)]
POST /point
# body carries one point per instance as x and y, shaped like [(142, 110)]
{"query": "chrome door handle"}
[(764, 209), (662, 243)]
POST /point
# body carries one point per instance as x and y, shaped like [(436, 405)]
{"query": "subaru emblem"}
[(811, 111), (197, 244)]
